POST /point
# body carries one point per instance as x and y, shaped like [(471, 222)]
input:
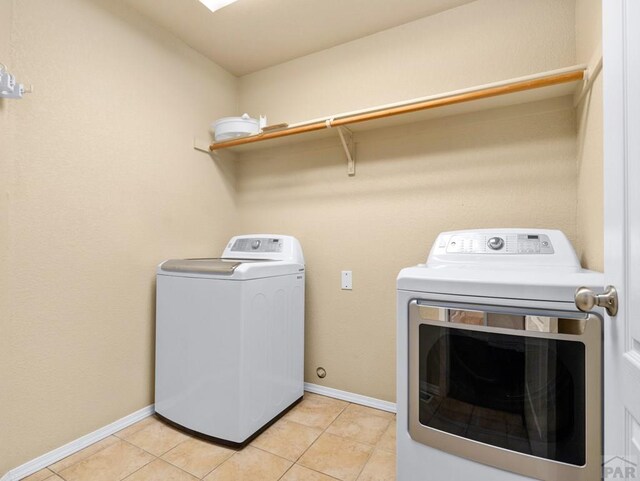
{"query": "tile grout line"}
[(158, 458), (182, 469), (269, 452), (315, 440), (316, 471), (383, 449), (44, 479), (134, 472), (164, 452), (236, 452), (175, 465), (373, 446), (79, 461), (374, 450), (325, 429), (161, 459), (142, 449), (100, 450), (146, 420), (365, 463), (135, 446)]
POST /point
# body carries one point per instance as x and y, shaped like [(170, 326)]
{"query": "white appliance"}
[(230, 338), (499, 375)]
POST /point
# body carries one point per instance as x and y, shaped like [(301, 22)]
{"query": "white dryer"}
[(230, 338), (499, 374)]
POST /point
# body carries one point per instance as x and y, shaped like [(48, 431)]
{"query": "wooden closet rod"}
[(455, 98)]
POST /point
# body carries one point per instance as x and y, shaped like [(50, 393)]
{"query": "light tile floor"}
[(321, 439)]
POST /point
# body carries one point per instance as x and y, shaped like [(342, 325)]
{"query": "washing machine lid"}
[(201, 266), (229, 269), (532, 264)]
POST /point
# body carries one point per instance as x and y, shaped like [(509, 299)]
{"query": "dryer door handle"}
[(586, 300)]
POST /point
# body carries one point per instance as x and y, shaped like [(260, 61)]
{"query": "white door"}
[(621, 48)]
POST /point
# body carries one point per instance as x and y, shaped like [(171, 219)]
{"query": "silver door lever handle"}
[(586, 300)]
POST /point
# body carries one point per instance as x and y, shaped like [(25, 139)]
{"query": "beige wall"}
[(480, 42), (507, 167), (5, 135), (101, 183), (510, 167), (590, 214)]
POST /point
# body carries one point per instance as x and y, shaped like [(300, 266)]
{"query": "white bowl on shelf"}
[(228, 128)]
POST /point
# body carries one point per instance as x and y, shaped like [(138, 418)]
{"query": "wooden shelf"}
[(532, 88)]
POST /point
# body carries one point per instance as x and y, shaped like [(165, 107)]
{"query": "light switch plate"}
[(346, 280)]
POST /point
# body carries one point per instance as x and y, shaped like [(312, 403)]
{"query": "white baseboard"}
[(68, 449), (351, 397)]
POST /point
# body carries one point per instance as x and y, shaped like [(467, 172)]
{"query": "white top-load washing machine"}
[(230, 338), (499, 374)]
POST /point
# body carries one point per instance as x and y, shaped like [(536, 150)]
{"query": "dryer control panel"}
[(497, 243), (503, 246)]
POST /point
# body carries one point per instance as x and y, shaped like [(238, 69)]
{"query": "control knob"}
[(255, 244), (495, 243)]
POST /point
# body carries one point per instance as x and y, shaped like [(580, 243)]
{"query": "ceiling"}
[(250, 35)]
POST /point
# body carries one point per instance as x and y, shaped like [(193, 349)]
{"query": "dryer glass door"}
[(509, 379)]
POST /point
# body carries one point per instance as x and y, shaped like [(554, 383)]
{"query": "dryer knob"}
[(495, 243), (255, 244)]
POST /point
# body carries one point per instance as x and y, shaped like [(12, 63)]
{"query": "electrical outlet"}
[(346, 280)]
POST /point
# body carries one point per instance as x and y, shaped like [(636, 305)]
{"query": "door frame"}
[(620, 166)]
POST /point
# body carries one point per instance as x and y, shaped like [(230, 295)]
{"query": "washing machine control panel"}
[(497, 243), (257, 244)]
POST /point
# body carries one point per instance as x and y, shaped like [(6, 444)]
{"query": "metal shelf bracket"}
[(349, 146)]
